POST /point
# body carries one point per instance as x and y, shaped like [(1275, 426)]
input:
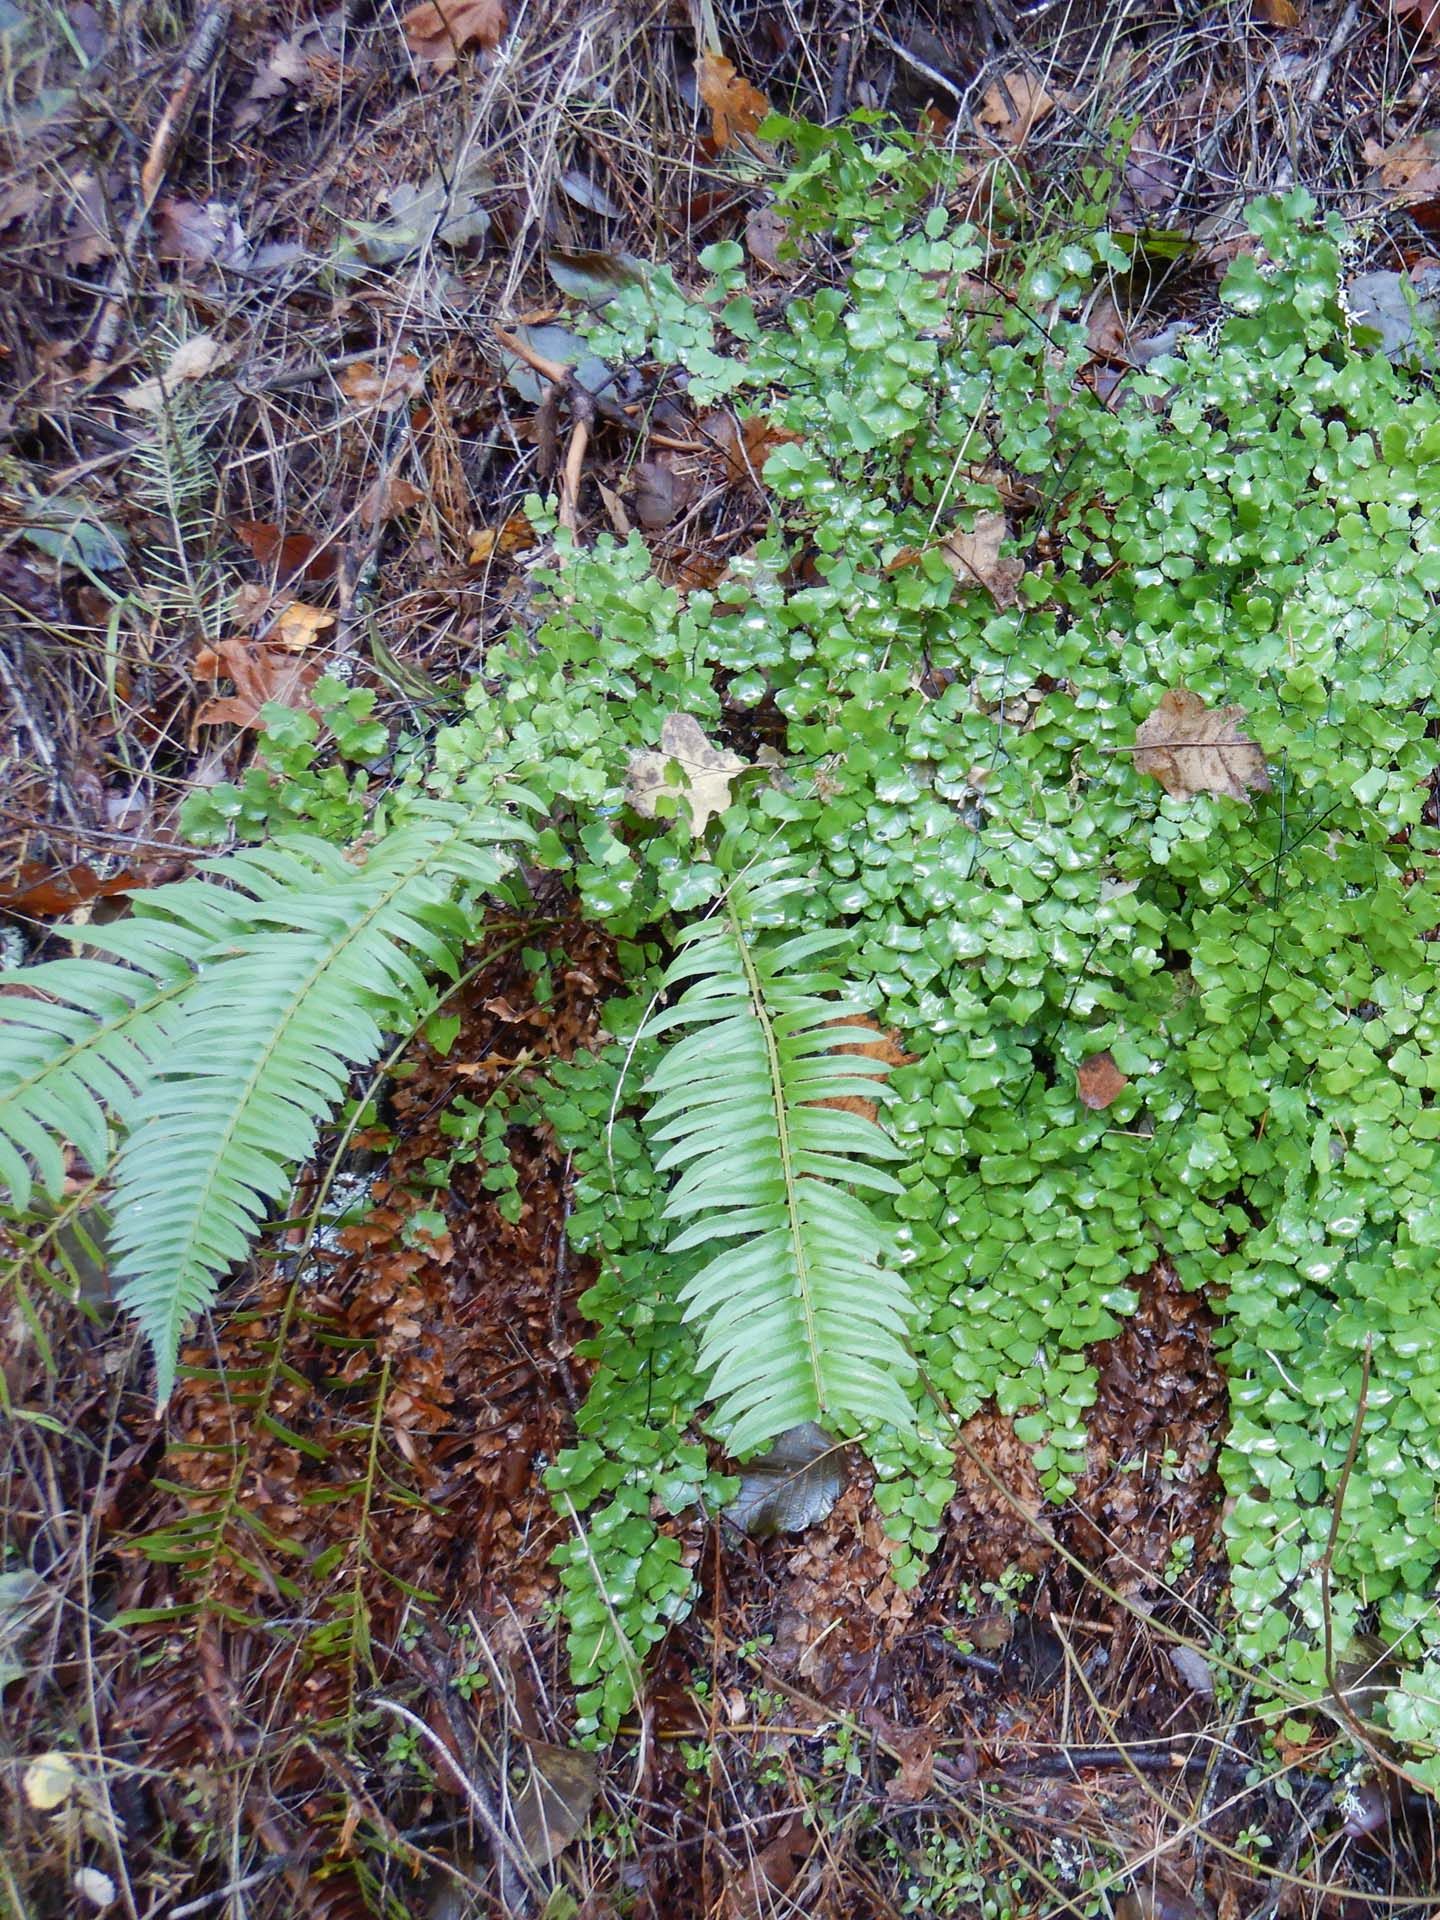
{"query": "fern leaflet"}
[(222, 1032)]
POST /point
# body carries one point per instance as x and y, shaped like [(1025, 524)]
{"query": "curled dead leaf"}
[(187, 230), (1191, 748), (705, 773), (766, 232), (791, 1487), (383, 499), (1012, 107), (439, 31), (192, 360), (1099, 1081), (49, 1781), (973, 555), (915, 1747), (660, 493), (299, 626), (1194, 1669), (515, 535), (1422, 16), (95, 1887), (385, 388), (736, 108)]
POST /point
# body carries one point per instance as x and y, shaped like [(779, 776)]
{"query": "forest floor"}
[(296, 1717)]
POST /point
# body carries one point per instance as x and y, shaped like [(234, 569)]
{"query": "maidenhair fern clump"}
[(1243, 529), (1148, 1011)]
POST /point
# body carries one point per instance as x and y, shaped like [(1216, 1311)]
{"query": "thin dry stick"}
[(575, 459), (554, 370), (510, 1859), (1332, 51), (205, 41)]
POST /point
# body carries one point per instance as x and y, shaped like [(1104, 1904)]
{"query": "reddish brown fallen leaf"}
[(1191, 748), (916, 1778), (439, 31), (385, 388), (260, 674), (1099, 1081), (1105, 330), (1012, 119), (288, 554), (1276, 13), (384, 499), (736, 108), (695, 571), (1156, 1899), (556, 1803), (885, 1046), (1422, 15), (746, 445), (43, 890), (752, 1893), (1409, 171)]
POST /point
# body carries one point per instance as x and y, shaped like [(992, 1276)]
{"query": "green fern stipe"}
[(226, 1036), (802, 1317)]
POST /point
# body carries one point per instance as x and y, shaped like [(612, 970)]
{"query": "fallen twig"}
[(1332, 52), (205, 43), (584, 410), (555, 370)]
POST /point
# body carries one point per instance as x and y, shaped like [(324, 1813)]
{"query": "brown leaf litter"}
[(439, 31), (1191, 749)]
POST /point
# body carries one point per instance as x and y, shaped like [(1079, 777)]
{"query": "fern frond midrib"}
[(328, 957), (86, 1042), (787, 1167)]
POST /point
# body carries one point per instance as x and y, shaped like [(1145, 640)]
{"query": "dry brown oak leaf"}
[(1191, 748), (261, 674), (736, 108), (706, 772)]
